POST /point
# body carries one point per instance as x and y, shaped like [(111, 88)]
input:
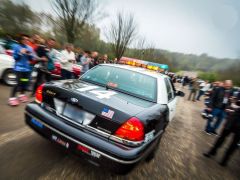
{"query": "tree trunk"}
[(70, 37)]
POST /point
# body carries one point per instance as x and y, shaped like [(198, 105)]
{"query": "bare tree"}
[(74, 14), (121, 33), (140, 43), (143, 49)]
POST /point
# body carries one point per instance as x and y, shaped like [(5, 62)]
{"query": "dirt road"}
[(26, 155)]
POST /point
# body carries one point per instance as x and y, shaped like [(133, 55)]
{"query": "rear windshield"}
[(127, 81)]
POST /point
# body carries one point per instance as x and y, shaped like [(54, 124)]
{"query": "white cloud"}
[(189, 26)]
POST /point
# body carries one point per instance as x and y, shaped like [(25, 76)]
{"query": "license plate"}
[(37, 123), (78, 115), (60, 141)]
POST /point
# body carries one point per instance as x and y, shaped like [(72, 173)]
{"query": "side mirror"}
[(180, 93)]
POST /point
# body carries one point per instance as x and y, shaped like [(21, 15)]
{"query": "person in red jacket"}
[(34, 41)]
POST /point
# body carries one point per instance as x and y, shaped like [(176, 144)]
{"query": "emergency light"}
[(144, 64)]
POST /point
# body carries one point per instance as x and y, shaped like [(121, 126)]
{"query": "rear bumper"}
[(52, 125)]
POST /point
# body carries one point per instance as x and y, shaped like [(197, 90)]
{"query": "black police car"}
[(113, 116)]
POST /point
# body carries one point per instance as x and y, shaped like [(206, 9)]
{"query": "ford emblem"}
[(74, 100)]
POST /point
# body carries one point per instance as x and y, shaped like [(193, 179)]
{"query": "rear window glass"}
[(128, 81)]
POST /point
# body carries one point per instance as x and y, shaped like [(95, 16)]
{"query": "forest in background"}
[(23, 19)]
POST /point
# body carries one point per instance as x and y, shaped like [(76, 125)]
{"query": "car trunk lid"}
[(103, 109)]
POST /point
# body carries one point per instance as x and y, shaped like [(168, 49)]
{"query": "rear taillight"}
[(83, 149), (38, 95), (132, 130)]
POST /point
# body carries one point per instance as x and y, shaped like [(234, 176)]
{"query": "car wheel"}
[(151, 155), (121, 169), (9, 77), (165, 125)]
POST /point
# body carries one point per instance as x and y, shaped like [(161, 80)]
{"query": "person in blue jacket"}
[(23, 54)]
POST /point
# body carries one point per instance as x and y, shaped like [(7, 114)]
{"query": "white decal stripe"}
[(111, 114)]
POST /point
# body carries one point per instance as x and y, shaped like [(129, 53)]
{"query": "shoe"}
[(13, 101), (214, 133), (208, 155), (207, 132), (223, 164), (204, 115), (23, 98), (210, 116)]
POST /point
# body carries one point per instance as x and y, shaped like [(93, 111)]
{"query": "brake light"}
[(83, 149), (38, 95), (132, 130)]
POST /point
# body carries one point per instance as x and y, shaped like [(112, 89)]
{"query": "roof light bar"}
[(144, 64)]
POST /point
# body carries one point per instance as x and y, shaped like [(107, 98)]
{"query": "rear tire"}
[(122, 169), (151, 155), (9, 77)]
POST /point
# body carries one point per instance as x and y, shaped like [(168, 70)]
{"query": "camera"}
[(207, 102)]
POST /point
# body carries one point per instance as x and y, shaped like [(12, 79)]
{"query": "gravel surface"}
[(26, 155)]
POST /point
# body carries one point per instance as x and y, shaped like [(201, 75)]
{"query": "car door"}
[(6, 62), (172, 100)]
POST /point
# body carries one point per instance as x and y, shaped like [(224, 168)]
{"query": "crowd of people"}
[(29, 51), (222, 102)]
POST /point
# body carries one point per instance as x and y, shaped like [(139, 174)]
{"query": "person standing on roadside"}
[(34, 41), (219, 100), (205, 87), (42, 59), (232, 126), (94, 62), (53, 54), (85, 60), (115, 61), (67, 61), (48, 56), (104, 59), (215, 85), (185, 81), (194, 89), (23, 54)]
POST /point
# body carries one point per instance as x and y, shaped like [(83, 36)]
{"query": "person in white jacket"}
[(205, 86), (67, 61)]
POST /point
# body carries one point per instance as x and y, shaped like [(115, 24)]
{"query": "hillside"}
[(191, 62)]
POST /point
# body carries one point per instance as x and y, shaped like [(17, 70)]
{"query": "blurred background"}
[(188, 35)]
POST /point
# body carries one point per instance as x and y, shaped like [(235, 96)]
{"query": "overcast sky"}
[(188, 26)]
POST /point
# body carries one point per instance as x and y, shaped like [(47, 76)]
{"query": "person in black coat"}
[(232, 126), (218, 102), (42, 72)]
